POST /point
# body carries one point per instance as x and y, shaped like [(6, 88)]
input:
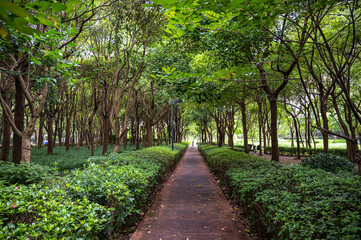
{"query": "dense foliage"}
[(290, 202), (309, 151), (100, 201), (328, 162)]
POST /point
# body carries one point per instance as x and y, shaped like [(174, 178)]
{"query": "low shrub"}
[(290, 202), (68, 160), (328, 162), (38, 211), (123, 182), (308, 151), (23, 173), (99, 201)]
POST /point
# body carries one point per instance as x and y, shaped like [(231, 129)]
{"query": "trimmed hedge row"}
[(308, 151), (290, 202), (101, 201)]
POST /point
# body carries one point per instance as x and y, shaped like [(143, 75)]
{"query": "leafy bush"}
[(45, 212), (328, 162), (290, 202), (97, 202), (123, 182), (67, 160), (308, 151), (23, 173)]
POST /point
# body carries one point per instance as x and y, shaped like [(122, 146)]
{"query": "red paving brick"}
[(191, 206)]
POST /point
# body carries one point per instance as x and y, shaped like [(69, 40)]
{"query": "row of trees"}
[(81, 71), (301, 57), (111, 67)]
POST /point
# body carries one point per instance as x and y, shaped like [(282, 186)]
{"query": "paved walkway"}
[(191, 206)]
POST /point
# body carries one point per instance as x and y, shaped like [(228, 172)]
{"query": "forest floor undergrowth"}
[(284, 159)]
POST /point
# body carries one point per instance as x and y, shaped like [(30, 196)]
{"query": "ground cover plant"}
[(74, 158), (290, 202), (102, 200), (308, 151), (43, 164), (328, 162)]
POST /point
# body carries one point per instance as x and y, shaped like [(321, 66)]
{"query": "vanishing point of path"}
[(191, 206)]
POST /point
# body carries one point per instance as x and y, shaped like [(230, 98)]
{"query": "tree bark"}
[(274, 134), (19, 121), (41, 134), (5, 148), (105, 135), (50, 135), (260, 122), (244, 125)]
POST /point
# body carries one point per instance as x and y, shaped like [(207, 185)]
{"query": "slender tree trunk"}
[(19, 121), (323, 106), (50, 135), (137, 135), (67, 133), (297, 137), (55, 132), (5, 149), (26, 148), (149, 132), (274, 134), (91, 136), (105, 135), (244, 125), (260, 126), (264, 137)]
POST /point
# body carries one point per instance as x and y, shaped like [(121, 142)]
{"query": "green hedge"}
[(308, 151), (290, 202), (101, 201)]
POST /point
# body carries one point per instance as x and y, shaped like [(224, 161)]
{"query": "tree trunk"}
[(91, 137), (244, 125), (19, 121), (5, 148), (50, 135), (274, 133), (260, 126), (264, 137), (55, 132), (67, 132), (292, 138), (149, 132), (26, 148), (323, 106), (297, 138), (41, 134), (105, 135)]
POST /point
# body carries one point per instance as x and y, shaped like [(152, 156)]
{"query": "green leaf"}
[(20, 21), (147, 5), (171, 26), (28, 30), (45, 5), (168, 31), (58, 7), (3, 32), (180, 32), (14, 9), (190, 27), (45, 21), (71, 5)]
